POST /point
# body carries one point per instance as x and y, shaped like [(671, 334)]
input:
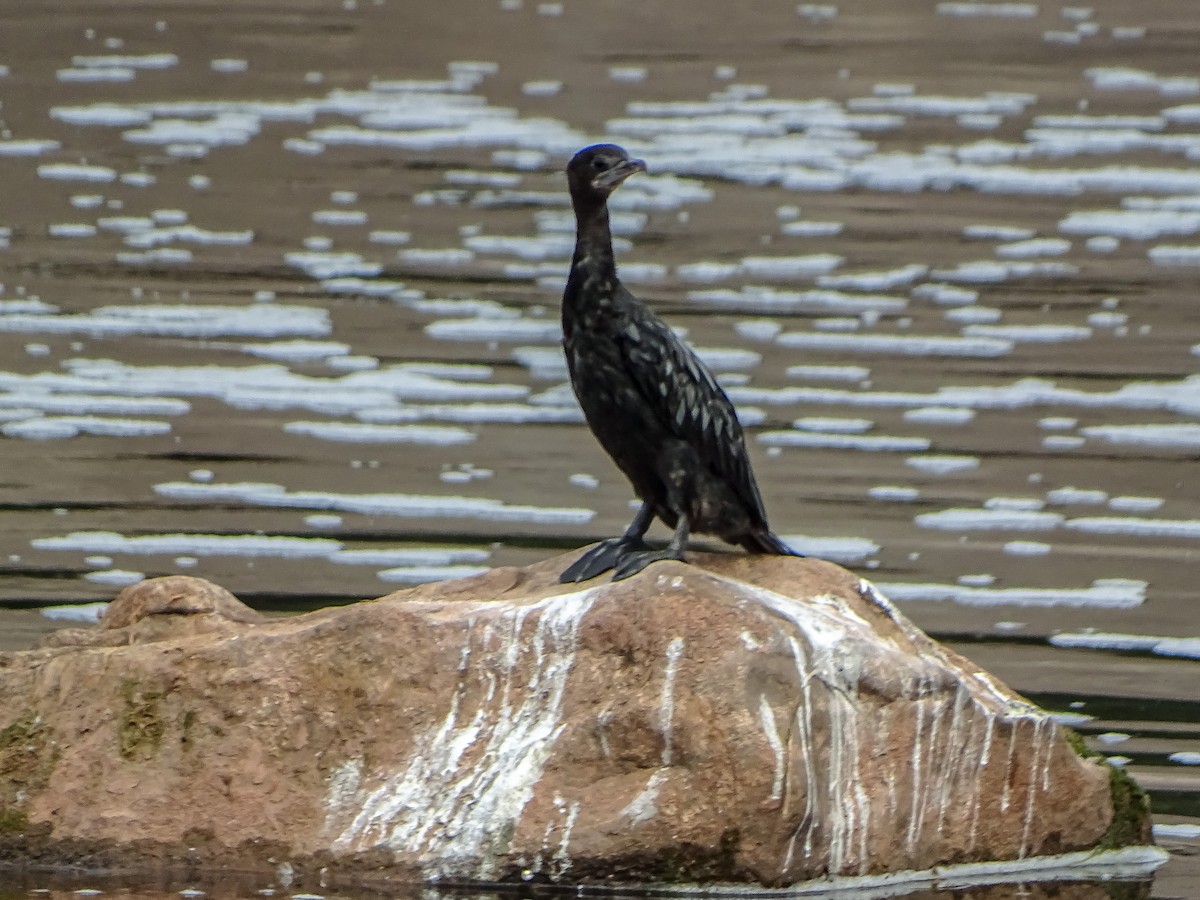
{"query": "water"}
[(280, 308)]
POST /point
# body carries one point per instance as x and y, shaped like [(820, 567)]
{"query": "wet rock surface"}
[(744, 720)]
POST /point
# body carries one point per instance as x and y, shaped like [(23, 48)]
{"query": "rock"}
[(186, 605), (750, 720)]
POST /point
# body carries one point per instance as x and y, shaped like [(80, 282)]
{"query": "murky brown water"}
[(914, 231)]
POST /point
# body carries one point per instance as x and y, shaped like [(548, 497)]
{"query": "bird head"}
[(595, 172)]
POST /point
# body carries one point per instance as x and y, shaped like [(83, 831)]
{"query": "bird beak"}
[(606, 181)]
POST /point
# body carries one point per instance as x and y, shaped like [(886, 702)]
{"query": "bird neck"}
[(593, 242)]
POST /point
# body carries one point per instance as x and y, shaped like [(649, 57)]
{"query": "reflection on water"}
[(245, 888), (280, 289)]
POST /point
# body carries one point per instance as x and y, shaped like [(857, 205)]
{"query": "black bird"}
[(653, 405)]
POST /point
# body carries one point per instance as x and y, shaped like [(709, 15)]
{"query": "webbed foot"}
[(600, 559), (632, 563)]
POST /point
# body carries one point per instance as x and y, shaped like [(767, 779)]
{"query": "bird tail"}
[(766, 541)]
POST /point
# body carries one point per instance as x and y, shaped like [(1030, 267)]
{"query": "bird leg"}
[(632, 563), (609, 553), (676, 467)]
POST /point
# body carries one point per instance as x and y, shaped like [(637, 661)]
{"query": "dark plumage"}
[(652, 404)]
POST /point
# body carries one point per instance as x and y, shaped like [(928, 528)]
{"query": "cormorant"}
[(653, 405)]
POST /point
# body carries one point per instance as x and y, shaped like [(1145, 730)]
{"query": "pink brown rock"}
[(753, 720)]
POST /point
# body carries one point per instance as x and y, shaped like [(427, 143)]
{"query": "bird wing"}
[(685, 397)]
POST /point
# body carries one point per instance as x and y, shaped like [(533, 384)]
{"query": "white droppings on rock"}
[(467, 811)]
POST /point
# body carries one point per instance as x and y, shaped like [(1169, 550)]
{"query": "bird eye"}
[(598, 163)]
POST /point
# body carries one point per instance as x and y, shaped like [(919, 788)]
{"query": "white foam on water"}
[(142, 61), (1068, 495), (402, 505), (542, 247), (221, 130), (988, 271), (357, 433), (44, 428), (942, 464), (1102, 244), (111, 74), (1038, 334), (1174, 255), (27, 147), (545, 331), (427, 574), (1062, 442), (945, 294), (228, 65), (998, 232), (71, 230), (1103, 594), (1033, 248), (1135, 504), (375, 287), (788, 267), (184, 320), (972, 315), (409, 556), (728, 359), (1136, 224), (583, 480), (394, 238), (939, 415), (1184, 830), (339, 217), (1105, 640), (836, 549), (838, 425), (321, 265), (319, 520), (977, 9), (76, 172), (803, 228), (1176, 435), (899, 344), (1014, 503), (1139, 527), (153, 237), (829, 373), (894, 493), (875, 281), (449, 256), (813, 439), (160, 256), (1026, 548), (255, 545), (989, 520), (77, 612), (758, 329), (114, 577), (475, 178), (757, 297), (1125, 79), (169, 216), (297, 351)]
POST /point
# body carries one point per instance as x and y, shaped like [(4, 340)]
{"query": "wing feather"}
[(683, 392)]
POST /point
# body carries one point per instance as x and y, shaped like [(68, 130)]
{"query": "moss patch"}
[(140, 727), (27, 758), (1131, 804), (13, 821), (1131, 812)]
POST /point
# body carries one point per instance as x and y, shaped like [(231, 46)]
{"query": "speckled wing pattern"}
[(683, 393)]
